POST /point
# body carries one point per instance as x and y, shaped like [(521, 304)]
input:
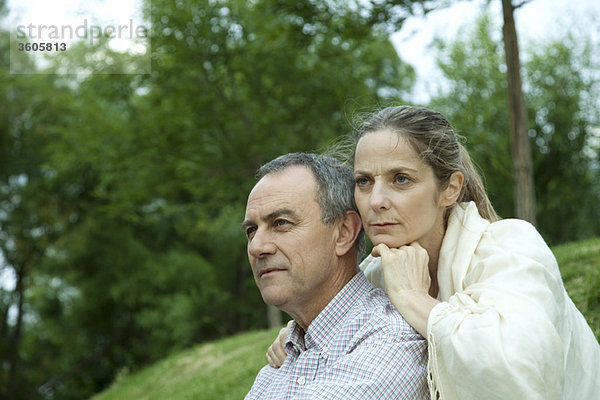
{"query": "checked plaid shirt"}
[(358, 347)]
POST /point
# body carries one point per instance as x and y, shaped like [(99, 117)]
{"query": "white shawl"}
[(506, 327)]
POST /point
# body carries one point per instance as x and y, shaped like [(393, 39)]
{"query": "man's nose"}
[(379, 198), (261, 244)]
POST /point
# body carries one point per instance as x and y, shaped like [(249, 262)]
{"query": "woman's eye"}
[(401, 179), (361, 181)]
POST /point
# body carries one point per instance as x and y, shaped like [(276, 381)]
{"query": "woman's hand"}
[(276, 353), (404, 269), (407, 282)]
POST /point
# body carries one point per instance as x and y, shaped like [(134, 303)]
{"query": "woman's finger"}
[(270, 359), (380, 250), (276, 352), (278, 355)]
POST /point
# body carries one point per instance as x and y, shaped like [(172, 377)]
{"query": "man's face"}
[(291, 251)]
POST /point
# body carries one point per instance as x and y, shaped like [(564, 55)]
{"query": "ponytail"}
[(473, 188)]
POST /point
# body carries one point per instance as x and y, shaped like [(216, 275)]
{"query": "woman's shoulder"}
[(509, 230), (518, 241), (502, 242), (515, 231)]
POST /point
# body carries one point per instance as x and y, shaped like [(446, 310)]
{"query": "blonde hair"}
[(434, 139)]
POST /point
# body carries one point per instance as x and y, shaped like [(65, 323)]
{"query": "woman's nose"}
[(379, 199)]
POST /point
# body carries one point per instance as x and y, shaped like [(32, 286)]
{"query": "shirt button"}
[(301, 381)]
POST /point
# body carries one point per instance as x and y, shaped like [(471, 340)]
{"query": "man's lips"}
[(267, 271)]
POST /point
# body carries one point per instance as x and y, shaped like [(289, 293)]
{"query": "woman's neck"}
[(433, 250)]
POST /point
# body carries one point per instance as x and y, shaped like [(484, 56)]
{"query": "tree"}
[(561, 89), (520, 148), (563, 98), (27, 223), (474, 100), (275, 76)]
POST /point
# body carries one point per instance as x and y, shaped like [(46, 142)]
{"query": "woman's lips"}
[(383, 225)]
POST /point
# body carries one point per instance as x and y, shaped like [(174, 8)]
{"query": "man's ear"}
[(450, 194), (348, 230)]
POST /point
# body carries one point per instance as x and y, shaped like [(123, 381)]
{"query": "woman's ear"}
[(450, 194), (348, 230)]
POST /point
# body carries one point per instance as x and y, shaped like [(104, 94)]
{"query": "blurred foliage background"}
[(121, 195)]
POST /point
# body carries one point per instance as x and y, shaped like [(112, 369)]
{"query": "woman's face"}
[(397, 193)]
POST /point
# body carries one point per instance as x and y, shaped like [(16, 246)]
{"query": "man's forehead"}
[(290, 188), (292, 180)]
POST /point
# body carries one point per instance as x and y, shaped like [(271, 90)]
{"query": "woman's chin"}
[(389, 242)]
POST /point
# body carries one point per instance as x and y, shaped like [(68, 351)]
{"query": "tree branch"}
[(521, 4)]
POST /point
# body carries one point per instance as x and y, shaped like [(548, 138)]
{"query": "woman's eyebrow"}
[(391, 170), (359, 172)]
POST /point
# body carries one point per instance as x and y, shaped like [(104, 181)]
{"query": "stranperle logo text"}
[(92, 32)]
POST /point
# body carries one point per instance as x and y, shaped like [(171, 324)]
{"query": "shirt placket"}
[(306, 369)]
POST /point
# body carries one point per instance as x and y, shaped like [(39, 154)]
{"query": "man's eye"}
[(281, 222), (250, 230)]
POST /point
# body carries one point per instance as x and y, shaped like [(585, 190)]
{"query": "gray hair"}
[(335, 185)]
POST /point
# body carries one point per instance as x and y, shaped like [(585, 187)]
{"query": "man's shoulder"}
[(358, 318), (359, 341), (377, 345), (264, 381), (375, 319)]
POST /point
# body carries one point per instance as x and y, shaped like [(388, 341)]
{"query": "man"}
[(346, 341)]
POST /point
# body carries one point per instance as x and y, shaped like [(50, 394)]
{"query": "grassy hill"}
[(218, 370), (580, 268), (226, 369)]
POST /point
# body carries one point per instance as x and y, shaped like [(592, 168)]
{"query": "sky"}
[(72, 11)]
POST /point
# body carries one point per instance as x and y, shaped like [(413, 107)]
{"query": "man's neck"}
[(313, 307)]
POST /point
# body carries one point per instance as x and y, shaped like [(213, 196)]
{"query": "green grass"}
[(226, 369), (580, 268), (218, 370)]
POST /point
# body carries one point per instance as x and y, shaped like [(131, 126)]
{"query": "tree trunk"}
[(241, 318), (4, 322), (16, 337), (519, 140)]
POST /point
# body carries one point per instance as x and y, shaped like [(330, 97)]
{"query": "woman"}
[(486, 293)]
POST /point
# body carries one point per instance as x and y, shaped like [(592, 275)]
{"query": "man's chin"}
[(273, 298)]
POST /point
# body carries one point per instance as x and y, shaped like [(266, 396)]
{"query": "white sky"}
[(72, 11)]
